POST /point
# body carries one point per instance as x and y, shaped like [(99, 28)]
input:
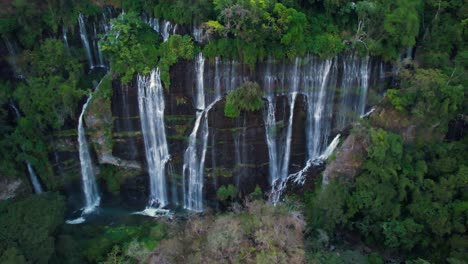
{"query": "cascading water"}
[(316, 79), (84, 39), (270, 125), (65, 37), (192, 170), (317, 127), (151, 21), (364, 84), (90, 189), (151, 106), (166, 30), (32, 174), (279, 168), (299, 177), (97, 47), (353, 89), (197, 34), (91, 39), (382, 71), (34, 179), (295, 78), (194, 158)]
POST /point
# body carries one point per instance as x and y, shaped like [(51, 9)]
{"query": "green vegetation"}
[(48, 97), (428, 95), (129, 242), (257, 194), (225, 193), (406, 203), (409, 198), (247, 97), (133, 47), (28, 226)]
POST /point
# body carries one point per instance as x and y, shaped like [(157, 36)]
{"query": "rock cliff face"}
[(348, 158), (99, 122), (237, 151), (10, 188)]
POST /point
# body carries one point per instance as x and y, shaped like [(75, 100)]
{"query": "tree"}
[(50, 91), (247, 97), (29, 225), (131, 45), (428, 95), (401, 27)]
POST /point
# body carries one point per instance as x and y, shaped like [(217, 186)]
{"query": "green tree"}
[(401, 26), (428, 95), (29, 225), (131, 45), (50, 92), (247, 97)]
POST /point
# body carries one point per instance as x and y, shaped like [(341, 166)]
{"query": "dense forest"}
[(234, 131)]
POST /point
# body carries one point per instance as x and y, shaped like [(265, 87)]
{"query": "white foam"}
[(76, 221)]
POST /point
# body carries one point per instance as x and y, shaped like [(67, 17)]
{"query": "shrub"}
[(224, 193), (248, 97)]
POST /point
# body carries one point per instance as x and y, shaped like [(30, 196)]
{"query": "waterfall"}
[(381, 71), (194, 158), (84, 39), (328, 153), (151, 21), (329, 150), (34, 179), (197, 34), (166, 30), (295, 78), (192, 168), (270, 125), (91, 39), (316, 128), (299, 177), (353, 89), (92, 198), (193, 174), (316, 80), (65, 37), (32, 174), (364, 84), (151, 106), (279, 158), (270, 131), (98, 49)]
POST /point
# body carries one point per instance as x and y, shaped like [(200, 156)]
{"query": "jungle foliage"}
[(133, 47), (409, 198), (247, 97), (28, 227)]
